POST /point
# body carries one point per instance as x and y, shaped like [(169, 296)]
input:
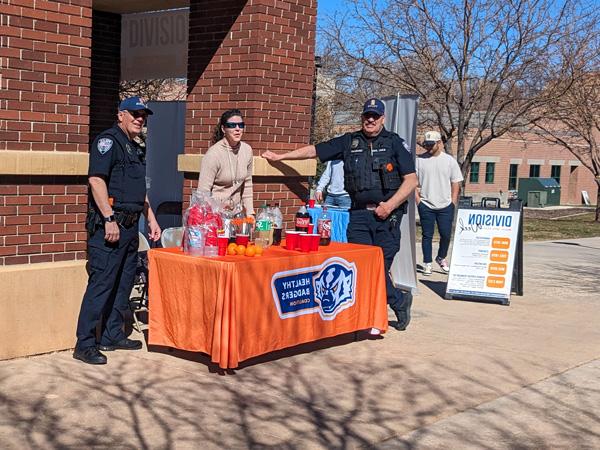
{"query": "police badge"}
[(129, 149), (354, 144), (104, 145)]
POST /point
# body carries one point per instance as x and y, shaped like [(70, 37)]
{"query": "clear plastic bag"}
[(202, 221)]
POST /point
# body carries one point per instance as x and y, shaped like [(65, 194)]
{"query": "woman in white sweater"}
[(226, 168)]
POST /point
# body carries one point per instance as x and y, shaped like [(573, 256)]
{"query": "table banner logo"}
[(326, 289)]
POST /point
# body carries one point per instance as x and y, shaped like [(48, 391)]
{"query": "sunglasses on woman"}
[(232, 125)]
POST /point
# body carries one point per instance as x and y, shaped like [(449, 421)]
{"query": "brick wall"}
[(45, 75), (257, 56), (44, 106), (106, 70), (42, 219)]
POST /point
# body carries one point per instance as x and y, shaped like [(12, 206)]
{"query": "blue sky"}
[(327, 7)]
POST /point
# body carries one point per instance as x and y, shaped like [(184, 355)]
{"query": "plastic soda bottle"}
[(324, 227), (263, 225), (302, 219), (277, 219)]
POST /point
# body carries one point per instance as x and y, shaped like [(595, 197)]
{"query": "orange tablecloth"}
[(235, 307)]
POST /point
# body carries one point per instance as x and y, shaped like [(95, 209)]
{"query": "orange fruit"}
[(231, 251), (251, 250), (259, 250), (240, 249)]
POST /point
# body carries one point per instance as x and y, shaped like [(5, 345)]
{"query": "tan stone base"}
[(39, 306)]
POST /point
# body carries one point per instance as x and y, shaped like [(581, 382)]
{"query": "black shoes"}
[(124, 344), (89, 355), (403, 312)]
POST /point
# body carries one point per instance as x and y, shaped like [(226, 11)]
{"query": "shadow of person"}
[(439, 287)]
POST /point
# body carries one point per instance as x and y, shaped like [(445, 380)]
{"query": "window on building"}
[(555, 173), (512, 177), (474, 173), (534, 170), (489, 172)]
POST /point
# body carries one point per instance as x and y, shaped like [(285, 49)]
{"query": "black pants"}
[(112, 269), (366, 228)]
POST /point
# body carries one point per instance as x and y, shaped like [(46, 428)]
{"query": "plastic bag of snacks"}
[(201, 222)]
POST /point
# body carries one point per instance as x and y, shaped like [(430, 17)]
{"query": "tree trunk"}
[(598, 200)]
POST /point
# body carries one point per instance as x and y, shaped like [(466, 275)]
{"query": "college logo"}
[(326, 289), (104, 145)]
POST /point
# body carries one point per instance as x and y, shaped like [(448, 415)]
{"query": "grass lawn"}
[(545, 229), (573, 227)]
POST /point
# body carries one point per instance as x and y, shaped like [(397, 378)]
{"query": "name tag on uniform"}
[(357, 150)]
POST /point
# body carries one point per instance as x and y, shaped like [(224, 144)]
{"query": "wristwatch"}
[(110, 218)]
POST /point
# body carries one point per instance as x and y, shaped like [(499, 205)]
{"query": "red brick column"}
[(258, 56), (44, 106)]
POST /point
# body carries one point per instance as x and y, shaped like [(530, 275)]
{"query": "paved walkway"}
[(464, 375)]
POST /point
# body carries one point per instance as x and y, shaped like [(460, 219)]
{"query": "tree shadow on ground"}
[(322, 400)]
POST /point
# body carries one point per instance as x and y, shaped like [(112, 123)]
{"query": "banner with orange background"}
[(235, 307)]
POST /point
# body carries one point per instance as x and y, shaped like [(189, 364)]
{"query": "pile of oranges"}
[(250, 250)]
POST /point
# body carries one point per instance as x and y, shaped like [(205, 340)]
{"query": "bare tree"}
[(573, 122), (482, 68), (158, 89)]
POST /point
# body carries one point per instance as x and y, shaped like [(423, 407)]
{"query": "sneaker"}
[(426, 268), (443, 264)]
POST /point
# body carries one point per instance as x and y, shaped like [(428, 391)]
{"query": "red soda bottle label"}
[(324, 228), (302, 222)]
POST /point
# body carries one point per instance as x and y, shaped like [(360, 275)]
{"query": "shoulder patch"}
[(104, 145)]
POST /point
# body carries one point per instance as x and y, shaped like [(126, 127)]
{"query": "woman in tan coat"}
[(226, 168)]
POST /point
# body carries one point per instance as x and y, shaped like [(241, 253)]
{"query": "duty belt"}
[(126, 219), (369, 206)]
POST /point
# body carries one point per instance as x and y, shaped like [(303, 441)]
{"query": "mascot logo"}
[(326, 289), (334, 287)]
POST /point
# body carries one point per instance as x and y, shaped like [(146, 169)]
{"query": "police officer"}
[(117, 181), (379, 175)]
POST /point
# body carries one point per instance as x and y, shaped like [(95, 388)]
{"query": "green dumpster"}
[(539, 192)]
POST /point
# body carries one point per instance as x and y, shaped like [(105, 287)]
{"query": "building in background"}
[(497, 167)]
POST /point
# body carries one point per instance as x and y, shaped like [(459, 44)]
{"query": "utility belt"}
[(125, 219), (362, 205), (358, 206)]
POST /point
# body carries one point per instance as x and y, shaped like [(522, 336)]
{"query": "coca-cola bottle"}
[(324, 227), (302, 219)]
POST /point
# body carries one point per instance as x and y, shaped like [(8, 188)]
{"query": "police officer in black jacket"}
[(117, 180), (379, 175)]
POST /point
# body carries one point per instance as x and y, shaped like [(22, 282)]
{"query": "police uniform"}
[(373, 172), (112, 265)]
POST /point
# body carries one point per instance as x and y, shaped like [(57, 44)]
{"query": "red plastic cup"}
[(311, 203), (304, 242), (314, 242), (242, 239), (291, 240), (222, 242), (310, 228)]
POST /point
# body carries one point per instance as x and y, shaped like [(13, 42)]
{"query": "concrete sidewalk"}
[(464, 375)]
